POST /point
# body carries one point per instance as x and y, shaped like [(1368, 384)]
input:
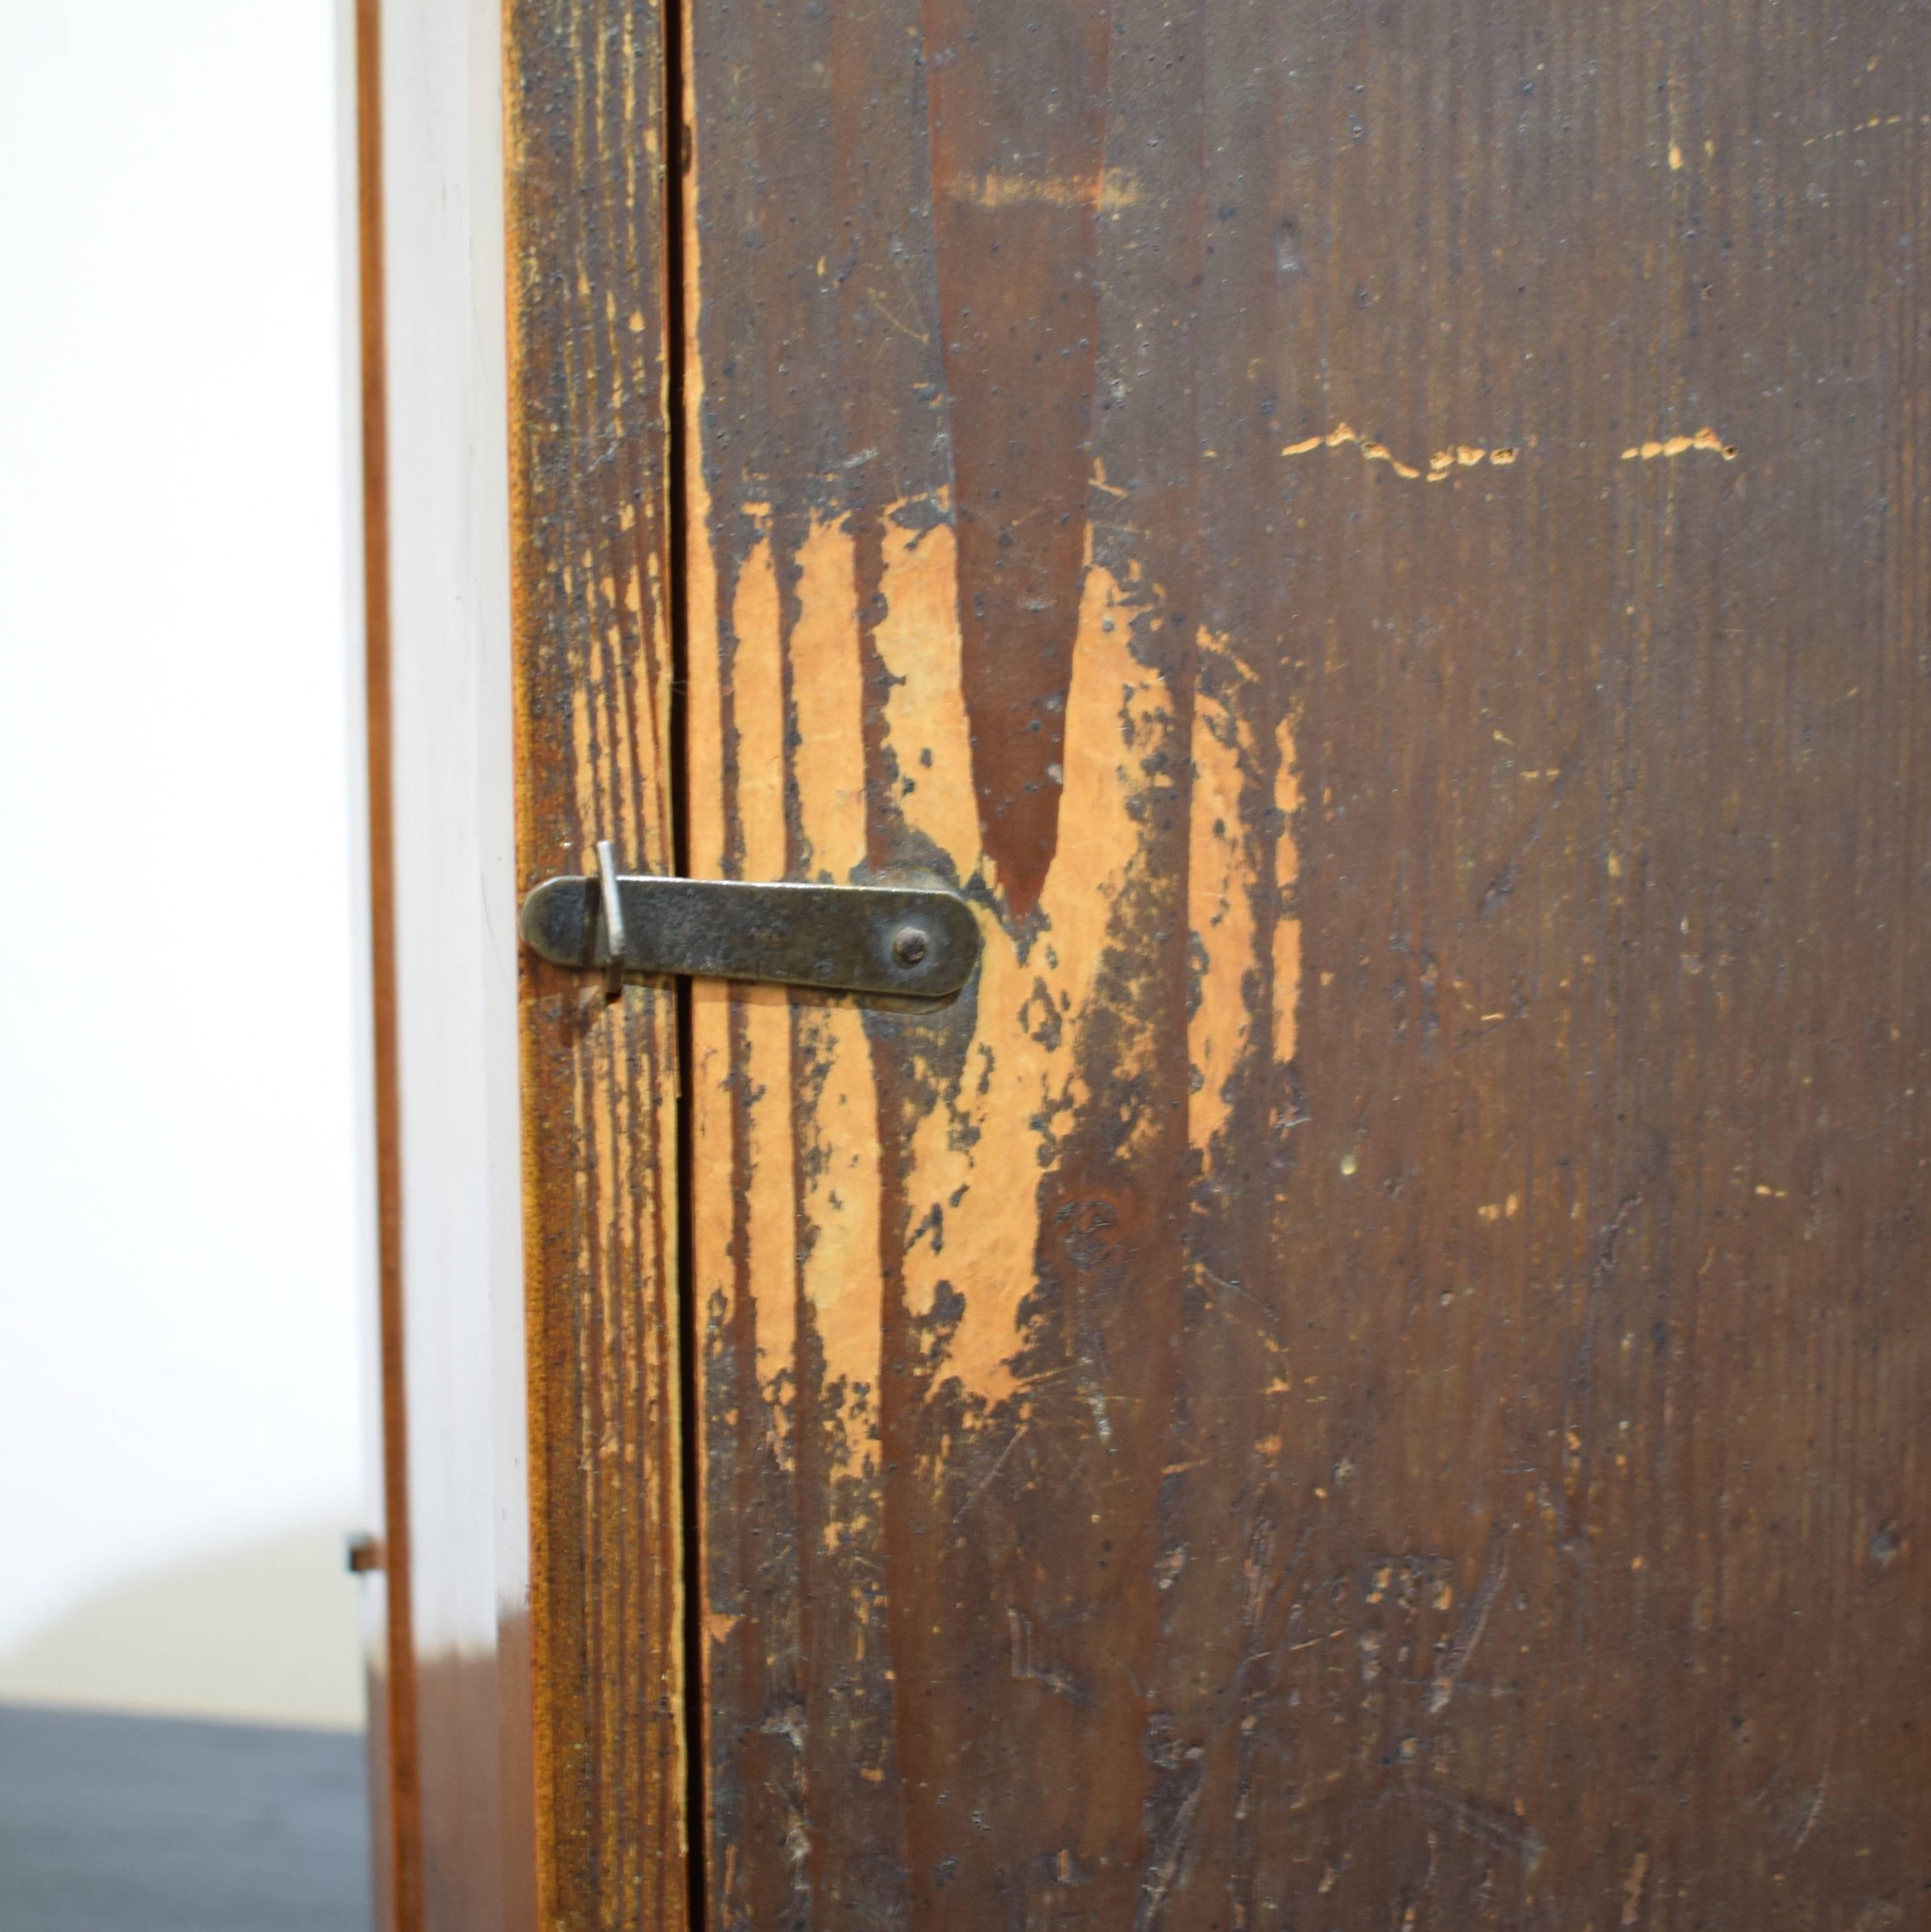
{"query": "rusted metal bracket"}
[(919, 941)]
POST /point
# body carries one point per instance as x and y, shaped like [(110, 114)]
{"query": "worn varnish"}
[(584, 82), (1374, 1370)]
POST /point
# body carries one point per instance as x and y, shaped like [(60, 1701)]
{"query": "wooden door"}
[(1373, 1370)]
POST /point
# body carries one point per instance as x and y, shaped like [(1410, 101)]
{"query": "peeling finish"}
[(1286, 975), (1442, 465), (918, 644), (1681, 445), (1108, 191), (1003, 1116), (840, 1273), (1223, 878), (1870, 126)]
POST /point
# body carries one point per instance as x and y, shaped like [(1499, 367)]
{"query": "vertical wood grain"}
[(584, 98), (1372, 1370)]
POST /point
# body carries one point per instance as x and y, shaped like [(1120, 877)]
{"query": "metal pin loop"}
[(617, 941)]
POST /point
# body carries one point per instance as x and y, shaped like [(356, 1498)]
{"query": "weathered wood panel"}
[(584, 100), (1374, 1371)]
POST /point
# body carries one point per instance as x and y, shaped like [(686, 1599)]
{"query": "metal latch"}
[(859, 939)]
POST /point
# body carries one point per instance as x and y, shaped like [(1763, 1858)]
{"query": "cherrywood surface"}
[(1372, 1371)]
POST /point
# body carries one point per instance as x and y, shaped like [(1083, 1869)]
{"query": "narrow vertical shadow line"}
[(678, 453)]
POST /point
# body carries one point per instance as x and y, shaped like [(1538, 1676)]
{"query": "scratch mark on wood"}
[(986, 1481), (1475, 1621), (1632, 1888), (1681, 445), (1442, 465), (1027, 1668), (1109, 191), (1503, 883)]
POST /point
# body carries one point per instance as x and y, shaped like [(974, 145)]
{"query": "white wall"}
[(179, 1376)]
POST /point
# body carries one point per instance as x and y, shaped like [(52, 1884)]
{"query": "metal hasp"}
[(914, 940)]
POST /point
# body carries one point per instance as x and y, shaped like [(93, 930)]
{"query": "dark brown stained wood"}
[(583, 83), (1374, 1371), (395, 1836), (1019, 182)]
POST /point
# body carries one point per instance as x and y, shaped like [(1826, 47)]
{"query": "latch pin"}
[(610, 903)]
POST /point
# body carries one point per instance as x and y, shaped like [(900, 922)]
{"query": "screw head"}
[(908, 945)]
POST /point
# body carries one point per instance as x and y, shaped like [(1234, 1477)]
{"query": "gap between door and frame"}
[(678, 445)]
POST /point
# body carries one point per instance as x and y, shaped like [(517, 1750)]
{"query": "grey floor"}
[(116, 1824)]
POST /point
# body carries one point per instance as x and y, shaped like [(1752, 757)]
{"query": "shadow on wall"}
[(265, 1631)]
